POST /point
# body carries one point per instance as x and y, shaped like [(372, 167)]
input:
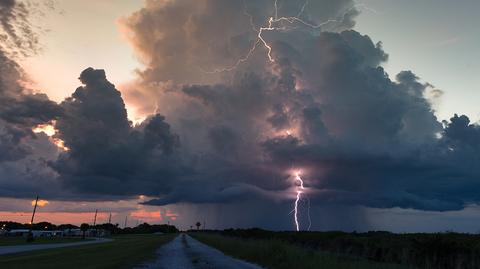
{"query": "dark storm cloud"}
[(107, 156), (18, 35), (223, 139), (20, 110), (191, 37), (29, 110), (23, 154), (324, 106)]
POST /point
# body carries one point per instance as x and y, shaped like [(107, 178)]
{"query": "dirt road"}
[(184, 252)]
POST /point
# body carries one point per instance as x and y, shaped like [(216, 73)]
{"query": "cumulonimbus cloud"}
[(325, 106)]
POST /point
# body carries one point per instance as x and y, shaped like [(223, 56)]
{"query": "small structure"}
[(56, 233), (35, 233), (18, 232), (97, 233), (72, 232), (88, 233), (38, 233)]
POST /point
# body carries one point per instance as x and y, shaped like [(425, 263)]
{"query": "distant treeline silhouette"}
[(113, 228)]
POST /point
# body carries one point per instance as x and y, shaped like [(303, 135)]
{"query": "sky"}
[(183, 111), (432, 38)]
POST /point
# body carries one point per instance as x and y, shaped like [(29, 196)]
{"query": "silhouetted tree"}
[(84, 227), (67, 227)]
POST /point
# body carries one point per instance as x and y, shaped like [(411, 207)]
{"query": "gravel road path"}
[(184, 252), (32, 247)]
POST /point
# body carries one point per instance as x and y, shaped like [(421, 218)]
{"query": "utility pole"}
[(125, 224), (110, 218), (95, 222), (95, 218), (33, 214), (30, 235)]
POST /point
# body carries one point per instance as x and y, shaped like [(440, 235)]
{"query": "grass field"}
[(10, 241), (420, 250), (124, 252), (282, 255)]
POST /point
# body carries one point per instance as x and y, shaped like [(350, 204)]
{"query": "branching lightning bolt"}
[(300, 190), (277, 23), (270, 26)]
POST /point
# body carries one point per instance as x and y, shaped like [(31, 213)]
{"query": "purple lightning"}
[(277, 23), (300, 190), (272, 26)]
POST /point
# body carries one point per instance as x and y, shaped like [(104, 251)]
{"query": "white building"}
[(18, 232), (35, 233)]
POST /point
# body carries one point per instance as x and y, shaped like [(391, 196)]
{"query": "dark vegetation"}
[(46, 226), (435, 251), (125, 251), (278, 254), (144, 228)]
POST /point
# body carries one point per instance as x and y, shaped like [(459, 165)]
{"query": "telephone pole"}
[(30, 235), (33, 214), (110, 218), (125, 224), (95, 218)]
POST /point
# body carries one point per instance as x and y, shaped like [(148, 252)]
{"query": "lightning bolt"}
[(300, 190), (271, 25), (277, 23)]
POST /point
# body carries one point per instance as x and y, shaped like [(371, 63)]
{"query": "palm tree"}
[(84, 227), (198, 224)]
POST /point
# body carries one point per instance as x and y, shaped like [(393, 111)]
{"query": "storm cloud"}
[(324, 106), (226, 126), (21, 108), (18, 35), (107, 155), (23, 154)]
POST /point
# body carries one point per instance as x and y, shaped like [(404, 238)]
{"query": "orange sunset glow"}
[(50, 131), (40, 203), (142, 214), (76, 218)]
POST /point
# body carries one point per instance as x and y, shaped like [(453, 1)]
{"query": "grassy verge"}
[(282, 255), (124, 252), (10, 241)]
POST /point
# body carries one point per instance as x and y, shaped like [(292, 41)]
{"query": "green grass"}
[(282, 255), (10, 241), (124, 252)]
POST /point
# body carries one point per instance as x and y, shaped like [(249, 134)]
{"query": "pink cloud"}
[(143, 214)]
